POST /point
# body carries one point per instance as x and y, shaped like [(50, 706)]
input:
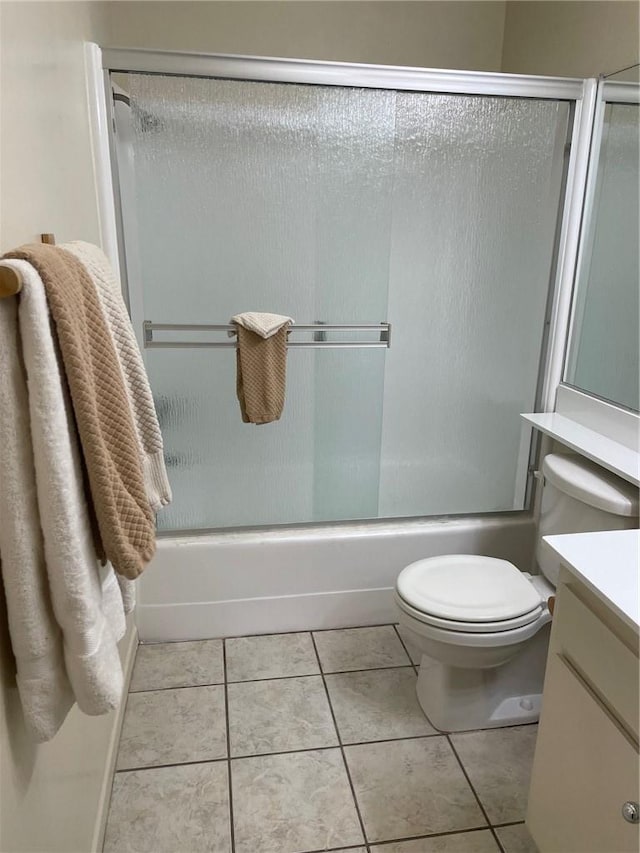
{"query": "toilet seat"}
[(499, 626), (469, 594), (462, 636)]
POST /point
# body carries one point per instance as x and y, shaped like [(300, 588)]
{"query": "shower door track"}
[(346, 74)]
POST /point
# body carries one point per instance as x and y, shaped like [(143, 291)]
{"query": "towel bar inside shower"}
[(319, 332)]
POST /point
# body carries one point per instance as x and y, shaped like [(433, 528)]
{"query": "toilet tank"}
[(580, 496)]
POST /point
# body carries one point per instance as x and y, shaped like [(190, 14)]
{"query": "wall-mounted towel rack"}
[(10, 279), (319, 330)]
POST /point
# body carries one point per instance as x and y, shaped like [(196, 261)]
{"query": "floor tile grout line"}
[(444, 834), (140, 768), (404, 646), (467, 831), (487, 729), (392, 739), (177, 687), (280, 752), (342, 752), (322, 672), (272, 678), (232, 837), (497, 826), (335, 849), (476, 795), (496, 837), (336, 745)]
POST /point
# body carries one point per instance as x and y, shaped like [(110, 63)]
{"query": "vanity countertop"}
[(609, 564)]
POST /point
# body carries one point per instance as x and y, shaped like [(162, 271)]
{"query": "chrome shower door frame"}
[(579, 93)]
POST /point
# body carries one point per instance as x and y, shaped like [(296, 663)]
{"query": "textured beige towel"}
[(136, 382), (261, 322), (101, 407), (261, 375)]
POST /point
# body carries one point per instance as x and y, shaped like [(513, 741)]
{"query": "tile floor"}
[(305, 742)]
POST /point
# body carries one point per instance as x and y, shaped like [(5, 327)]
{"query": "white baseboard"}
[(129, 644), (266, 615)]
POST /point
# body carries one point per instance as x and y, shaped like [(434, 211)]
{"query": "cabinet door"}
[(585, 768)]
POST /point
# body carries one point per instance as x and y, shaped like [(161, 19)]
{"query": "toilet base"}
[(456, 699)]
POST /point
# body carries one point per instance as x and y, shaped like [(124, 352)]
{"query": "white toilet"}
[(482, 625)]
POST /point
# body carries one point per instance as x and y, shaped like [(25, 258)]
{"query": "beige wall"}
[(574, 38), (570, 39), (46, 171), (464, 35)]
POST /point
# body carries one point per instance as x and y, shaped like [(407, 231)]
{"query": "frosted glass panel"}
[(341, 205), (277, 198), (605, 349), (223, 472), (476, 197), (354, 209)]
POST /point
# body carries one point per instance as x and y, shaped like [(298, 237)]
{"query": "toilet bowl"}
[(473, 611), (482, 625)]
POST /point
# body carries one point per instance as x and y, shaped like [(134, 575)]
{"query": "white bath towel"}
[(135, 377), (128, 592), (36, 639), (264, 325), (86, 599)]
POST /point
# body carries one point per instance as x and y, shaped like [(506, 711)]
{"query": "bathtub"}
[(263, 581)]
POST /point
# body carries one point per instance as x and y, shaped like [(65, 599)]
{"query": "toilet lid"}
[(467, 588)]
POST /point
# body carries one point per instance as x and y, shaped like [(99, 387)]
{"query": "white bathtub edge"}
[(266, 615)]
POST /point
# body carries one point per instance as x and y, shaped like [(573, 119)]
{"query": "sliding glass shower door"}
[(333, 204), (477, 186)]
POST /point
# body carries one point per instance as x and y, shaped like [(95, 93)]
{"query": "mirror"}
[(604, 347)]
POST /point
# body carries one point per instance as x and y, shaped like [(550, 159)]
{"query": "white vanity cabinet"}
[(586, 764)]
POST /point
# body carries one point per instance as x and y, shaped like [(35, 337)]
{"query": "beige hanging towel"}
[(107, 434), (136, 383), (261, 365)]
